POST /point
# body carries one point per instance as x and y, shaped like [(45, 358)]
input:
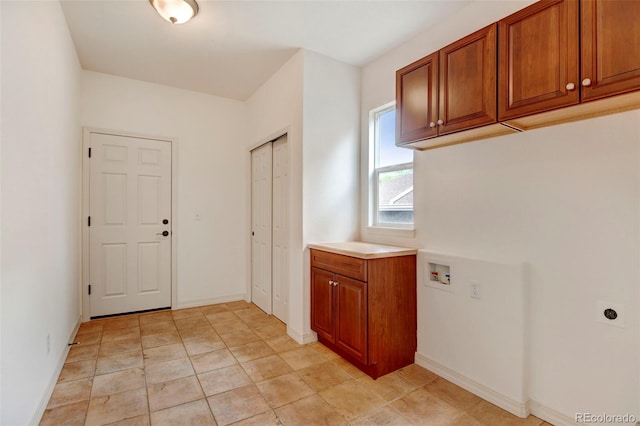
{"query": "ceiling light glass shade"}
[(175, 11)]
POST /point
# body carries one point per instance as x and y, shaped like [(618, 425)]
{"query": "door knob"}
[(163, 233)]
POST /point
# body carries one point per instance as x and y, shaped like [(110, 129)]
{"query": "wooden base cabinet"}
[(340, 312), (365, 309)]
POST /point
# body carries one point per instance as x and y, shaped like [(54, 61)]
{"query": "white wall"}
[(331, 149), (211, 174), (563, 199), (276, 108), (330, 159), (41, 171), (316, 100), (457, 343)]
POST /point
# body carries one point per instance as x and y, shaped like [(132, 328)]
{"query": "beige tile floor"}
[(233, 364)]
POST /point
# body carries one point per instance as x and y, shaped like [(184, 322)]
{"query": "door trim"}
[(84, 261)]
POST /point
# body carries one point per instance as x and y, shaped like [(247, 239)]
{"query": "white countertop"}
[(363, 250)]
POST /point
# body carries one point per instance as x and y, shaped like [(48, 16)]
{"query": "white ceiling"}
[(232, 47)]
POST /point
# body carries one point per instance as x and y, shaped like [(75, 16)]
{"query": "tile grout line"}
[(144, 370), (250, 378), (93, 378), (246, 320), (206, 399)]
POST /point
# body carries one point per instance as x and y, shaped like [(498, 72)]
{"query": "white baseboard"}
[(302, 338), (44, 401), (550, 415), (520, 409), (514, 407), (213, 301)]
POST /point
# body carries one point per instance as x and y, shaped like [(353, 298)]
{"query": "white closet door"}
[(280, 282), (130, 209), (261, 226)]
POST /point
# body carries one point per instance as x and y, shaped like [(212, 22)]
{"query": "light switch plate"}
[(475, 291)]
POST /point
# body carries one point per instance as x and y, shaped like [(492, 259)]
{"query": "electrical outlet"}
[(48, 343), (610, 313), (475, 289)]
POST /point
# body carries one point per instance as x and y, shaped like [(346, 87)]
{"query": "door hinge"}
[(89, 152), (89, 289), (89, 221)]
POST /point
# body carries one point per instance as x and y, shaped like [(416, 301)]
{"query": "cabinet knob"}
[(570, 86), (440, 122), (432, 124), (586, 82), (335, 283), (330, 282)]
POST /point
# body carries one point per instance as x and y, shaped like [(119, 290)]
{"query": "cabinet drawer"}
[(351, 267)]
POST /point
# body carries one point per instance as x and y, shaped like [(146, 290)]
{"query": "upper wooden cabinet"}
[(610, 47), (553, 58), (538, 51), (417, 100), (448, 91), (468, 82)]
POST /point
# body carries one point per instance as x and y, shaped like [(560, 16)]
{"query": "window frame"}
[(374, 173)]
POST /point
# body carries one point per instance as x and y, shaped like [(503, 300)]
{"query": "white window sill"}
[(390, 232)]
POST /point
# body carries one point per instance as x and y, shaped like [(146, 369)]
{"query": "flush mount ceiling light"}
[(175, 11)]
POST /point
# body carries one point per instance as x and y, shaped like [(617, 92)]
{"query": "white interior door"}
[(261, 205), (130, 209), (280, 276)]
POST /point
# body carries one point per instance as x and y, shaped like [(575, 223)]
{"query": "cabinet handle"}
[(586, 82), (440, 122), (330, 282), (570, 86), (432, 124), (335, 283)]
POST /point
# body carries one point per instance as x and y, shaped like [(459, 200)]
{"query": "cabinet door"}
[(610, 48), (351, 317), (322, 304), (417, 100), (468, 82), (538, 59)]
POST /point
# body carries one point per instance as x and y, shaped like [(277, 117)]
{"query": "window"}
[(392, 173)]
